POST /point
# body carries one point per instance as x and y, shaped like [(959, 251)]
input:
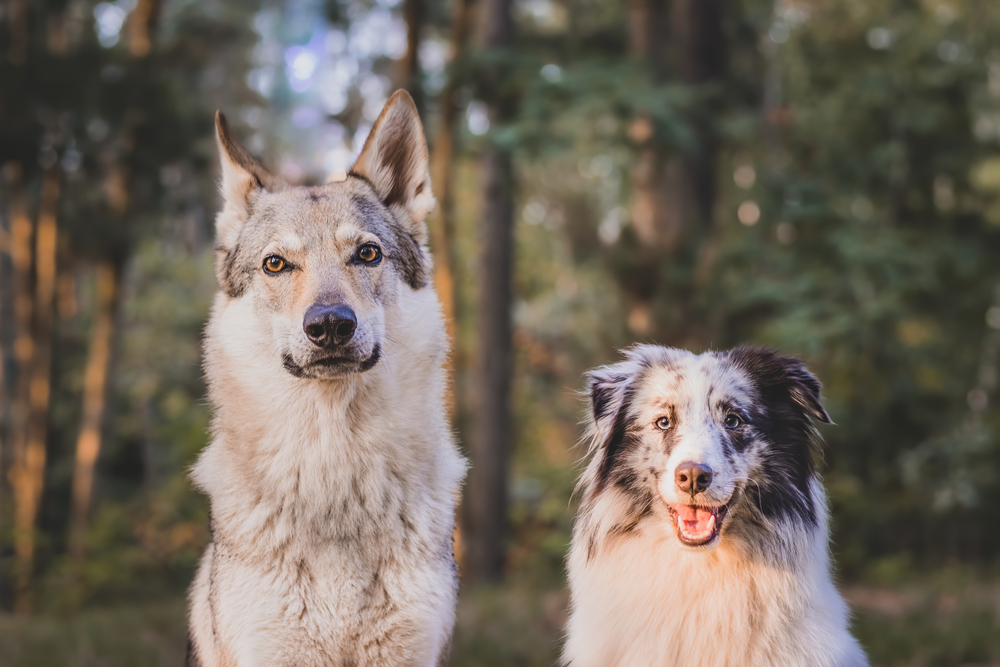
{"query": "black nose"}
[(691, 477), (327, 326)]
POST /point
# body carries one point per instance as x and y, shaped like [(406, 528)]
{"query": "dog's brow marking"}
[(291, 243), (349, 233)]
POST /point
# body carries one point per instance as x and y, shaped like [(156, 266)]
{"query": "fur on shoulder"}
[(702, 534), (332, 471)]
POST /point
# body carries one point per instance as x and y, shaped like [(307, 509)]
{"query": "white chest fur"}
[(332, 508), (646, 600)]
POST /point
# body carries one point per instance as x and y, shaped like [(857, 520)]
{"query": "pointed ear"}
[(394, 161), (243, 179)]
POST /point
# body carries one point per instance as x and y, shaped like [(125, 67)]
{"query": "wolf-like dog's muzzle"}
[(336, 350), (330, 326)]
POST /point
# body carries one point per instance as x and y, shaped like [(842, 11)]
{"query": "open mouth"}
[(697, 525)]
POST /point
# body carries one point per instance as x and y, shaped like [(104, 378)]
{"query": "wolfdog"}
[(702, 536), (332, 472)]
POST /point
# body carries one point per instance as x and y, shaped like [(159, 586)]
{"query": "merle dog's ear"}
[(774, 372), (610, 391), (394, 161), (804, 389), (243, 179), (606, 387)]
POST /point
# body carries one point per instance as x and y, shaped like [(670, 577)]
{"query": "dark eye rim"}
[(357, 259), (739, 421), (658, 425), (285, 265)]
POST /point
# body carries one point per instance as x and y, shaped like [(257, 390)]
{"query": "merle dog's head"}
[(714, 446)]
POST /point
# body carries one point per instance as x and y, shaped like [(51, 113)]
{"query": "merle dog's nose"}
[(329, 325), (691, 477)]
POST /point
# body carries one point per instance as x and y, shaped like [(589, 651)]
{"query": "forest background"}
[(822, 176)]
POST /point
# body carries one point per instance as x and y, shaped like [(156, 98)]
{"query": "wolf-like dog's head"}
[(321, 264), (709, 447)]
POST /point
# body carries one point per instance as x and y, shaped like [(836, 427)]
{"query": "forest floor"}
[(925, 623)]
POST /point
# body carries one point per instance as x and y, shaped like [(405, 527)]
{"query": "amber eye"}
[(369, 254), (663, 423), (733, 421), (274, 264)]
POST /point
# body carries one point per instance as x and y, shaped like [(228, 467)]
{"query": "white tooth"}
[(711, 524)]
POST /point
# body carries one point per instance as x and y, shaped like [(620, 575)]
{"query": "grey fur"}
[(332, 471), (747, 579)]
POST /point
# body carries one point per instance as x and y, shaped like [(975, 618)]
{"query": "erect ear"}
[(774, 372), (394, 161), (243, 179)]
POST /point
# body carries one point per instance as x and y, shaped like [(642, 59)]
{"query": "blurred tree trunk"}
[(21, 233), (672, 196), (655, 217), (486, 497), (442, 223), (141, 27), (772, 102), (35, 311), (414, 11), (6, 311), (17, 18), (442, 227), (107, 289), (97, 376), (700, 54), (58, 36)]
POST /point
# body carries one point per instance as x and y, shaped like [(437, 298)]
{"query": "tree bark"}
[(670, 196), (442, 224), (17, 17), (772, 104), (414, 11), (141, 26), (107, 292), (700, 56), (657, 218), (486, 499), (28, 466), (21, 233), (673, 196), (108, 279), (654, 213)]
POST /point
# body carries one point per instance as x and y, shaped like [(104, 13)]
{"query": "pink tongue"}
[(693, 520)]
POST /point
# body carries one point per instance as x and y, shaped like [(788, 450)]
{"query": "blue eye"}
[(733, 421)]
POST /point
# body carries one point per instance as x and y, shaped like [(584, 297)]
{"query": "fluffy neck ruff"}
[(314, 461), (641, 597)]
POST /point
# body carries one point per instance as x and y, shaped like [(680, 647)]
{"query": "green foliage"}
[(867, 135)]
